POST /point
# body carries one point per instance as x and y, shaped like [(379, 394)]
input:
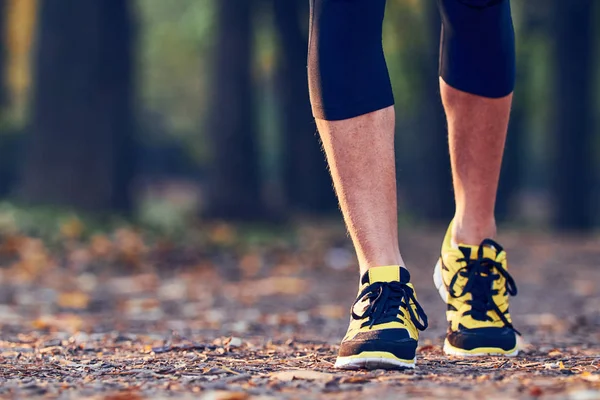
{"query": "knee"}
[(478, 49), (346, 66)]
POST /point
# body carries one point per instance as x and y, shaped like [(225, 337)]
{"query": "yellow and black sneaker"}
[(475, 284), (385, 323)]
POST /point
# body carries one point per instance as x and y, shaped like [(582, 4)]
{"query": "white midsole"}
[(439, 281), (370, 362), (453, 351)]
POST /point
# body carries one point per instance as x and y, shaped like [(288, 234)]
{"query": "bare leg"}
[(477, 130), (360, 152)]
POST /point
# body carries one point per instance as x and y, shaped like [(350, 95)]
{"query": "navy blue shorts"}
[(348, 75)]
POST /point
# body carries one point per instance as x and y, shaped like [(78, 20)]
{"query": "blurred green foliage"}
[(175, 60), (174, 49)]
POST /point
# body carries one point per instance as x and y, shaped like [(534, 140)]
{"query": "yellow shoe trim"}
[(409, 327), (388, 273), (373, 360), (479, 351), (447, 243)]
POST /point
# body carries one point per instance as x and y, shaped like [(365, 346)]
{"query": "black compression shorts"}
[(348, 75)]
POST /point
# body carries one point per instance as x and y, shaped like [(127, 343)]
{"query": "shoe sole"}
[(455, 351), (373, 360), (479, 351)]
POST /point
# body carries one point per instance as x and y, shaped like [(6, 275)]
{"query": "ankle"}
[(472, 232), (366, 264)]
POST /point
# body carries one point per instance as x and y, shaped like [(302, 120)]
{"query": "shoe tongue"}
[(391, 273), (471, 252)]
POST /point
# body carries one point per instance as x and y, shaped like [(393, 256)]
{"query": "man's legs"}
[(477, 79), (477, 131), (350, 92), (352, 102), (360, 152)]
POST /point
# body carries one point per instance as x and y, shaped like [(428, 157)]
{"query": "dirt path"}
[(266, 322)]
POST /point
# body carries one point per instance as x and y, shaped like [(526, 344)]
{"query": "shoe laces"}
[(480, 274), (388, 300)]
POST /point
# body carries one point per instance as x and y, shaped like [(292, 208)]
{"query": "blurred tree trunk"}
[(512, 166), (10, 140), (574, 162), (234, 187), (3, 58), (307, 182), (80, 151), (433, 194)]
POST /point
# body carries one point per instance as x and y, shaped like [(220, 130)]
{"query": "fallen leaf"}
[(555, 365), (355, 379), (34, 258), (287, 376), (148, 349), (62, 322), (332, 311), (234, 342), (72, 228), (130, 246), (225, 395), (250, 264), (588, 376), (223, 234), (124, 395), (535, 391), (175, 289), (427, 347), (249, 291), (100, 245), (76, 300), (585, 395), (11, 244)]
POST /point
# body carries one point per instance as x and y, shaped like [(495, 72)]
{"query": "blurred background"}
[(171, 112), (161, 175)]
